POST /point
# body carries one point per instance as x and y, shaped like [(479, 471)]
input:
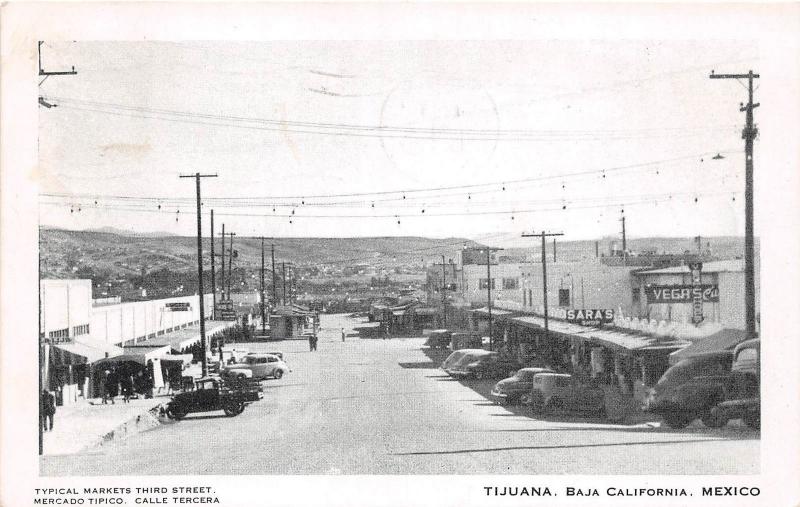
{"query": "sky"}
[(419, 138)]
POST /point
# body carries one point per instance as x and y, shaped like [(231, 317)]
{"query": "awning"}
[(635, 341), (496, 312), (555, 326), (89, 351), (137, 355), (727, 339), (183, 338)]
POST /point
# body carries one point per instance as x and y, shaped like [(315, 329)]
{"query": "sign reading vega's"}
[(681, 293)]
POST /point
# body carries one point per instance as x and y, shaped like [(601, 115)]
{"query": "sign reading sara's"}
[(681, 293), (589, 317)]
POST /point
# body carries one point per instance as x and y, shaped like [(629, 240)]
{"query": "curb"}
[(148, 419)]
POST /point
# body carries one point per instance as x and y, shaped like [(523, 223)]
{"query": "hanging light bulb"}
[(159, 206)]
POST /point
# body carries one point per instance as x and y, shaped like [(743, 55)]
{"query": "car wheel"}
[(233, 408), (241, 376), (525, 399), (713, 419), (537, 402), (278, 374), (753, 421), (678, 420), (176, 412)]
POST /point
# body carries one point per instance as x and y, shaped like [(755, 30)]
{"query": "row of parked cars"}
[(715, 387)]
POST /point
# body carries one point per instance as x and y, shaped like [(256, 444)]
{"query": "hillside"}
[(67, 253)]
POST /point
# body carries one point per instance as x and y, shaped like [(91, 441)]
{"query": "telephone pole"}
[(230, 263), (274, 282), (749, 134), (263, 303), (544, 236), (444, 297), (203, 344), (283, 274), (213, 272), (489, 250), (222, 255), (624, 242)]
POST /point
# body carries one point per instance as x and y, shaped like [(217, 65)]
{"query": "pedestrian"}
[(343, 334), (311, 343), (127, 388), (314, 341), (112, 386), (47, 409), (104, 386)]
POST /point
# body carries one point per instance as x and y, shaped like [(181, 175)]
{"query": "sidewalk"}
[(88, 424)]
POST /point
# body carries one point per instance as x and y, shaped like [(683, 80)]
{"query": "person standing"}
[(104, 386), (343, 334), (47, 409), (314, 342), (311, 338)]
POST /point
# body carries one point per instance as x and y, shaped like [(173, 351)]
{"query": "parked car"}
[(212, 394), (439, 339), (513, 389), (456, 356), (742, 391), (559, 391), (257, 366), (485, 365), (690, 389)]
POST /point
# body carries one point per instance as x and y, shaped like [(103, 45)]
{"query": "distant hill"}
[(66, 253)]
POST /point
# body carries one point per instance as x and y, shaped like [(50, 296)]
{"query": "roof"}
[(635, 341), (725, 340), (496, 312), (555, 326), (182, 338), (291, 311), (137, 355), (91, 350), (731, 265)]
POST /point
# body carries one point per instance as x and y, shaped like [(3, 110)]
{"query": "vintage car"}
[(458, 368), (490, 365), (742, 396), (439, 339), (212, 394), (689, 390), (513, 389), (562, 392), (257, 366), (454, 357)]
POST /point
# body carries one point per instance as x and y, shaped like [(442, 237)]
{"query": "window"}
[(80, 330), (484, 284), (61, 333), (510, 283)]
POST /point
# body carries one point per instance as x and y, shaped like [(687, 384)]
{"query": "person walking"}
[(343, 334), (47, 409), (112, 386), (314, 340), (311, 338), (104, 386)]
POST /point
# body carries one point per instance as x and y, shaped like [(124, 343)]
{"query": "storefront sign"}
[(681, 293), (178, 307), (697, 295), (589, 317)]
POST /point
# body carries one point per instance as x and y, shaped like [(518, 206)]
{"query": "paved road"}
[(382, 407)]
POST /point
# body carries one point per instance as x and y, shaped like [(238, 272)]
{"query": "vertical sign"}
[(697, 299)]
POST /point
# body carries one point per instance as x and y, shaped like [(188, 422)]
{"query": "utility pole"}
[(263, 303), (230, 263), (444, 292), (213, 272), (283, 274), (544, 275), (489, 291), (222, 254), (274, 282), (203, 343), (624, 243), (554, 250), (749, 134)]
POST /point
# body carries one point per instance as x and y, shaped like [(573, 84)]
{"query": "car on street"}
[(486, 365), (454, 357), (257, 366), (690, 389), (439, 339), (742, 398), (513, 389), (212, 394), (553, 392)]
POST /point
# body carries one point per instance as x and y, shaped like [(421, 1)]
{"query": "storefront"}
[(70, 365)]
